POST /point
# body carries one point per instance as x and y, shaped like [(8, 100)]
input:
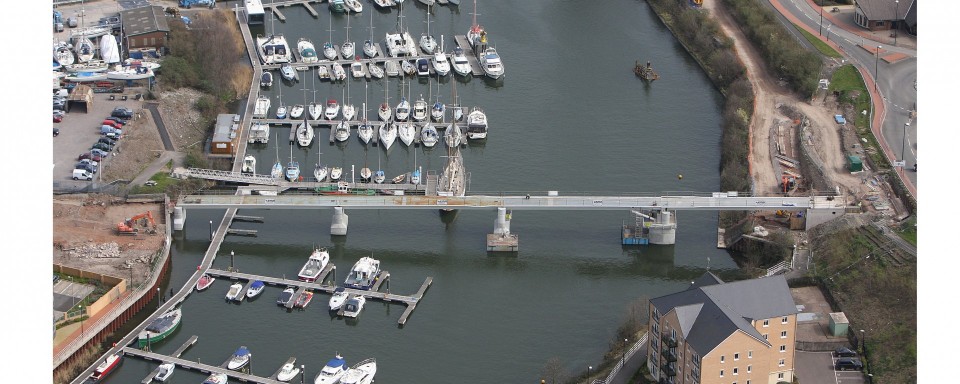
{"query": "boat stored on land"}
[(315, 264)]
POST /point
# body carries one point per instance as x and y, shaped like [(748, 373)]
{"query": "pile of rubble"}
[(98, 251), (180, 117)]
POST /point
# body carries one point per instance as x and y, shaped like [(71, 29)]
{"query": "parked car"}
[(102, 146), (88, 167), (122, 112), (82, 174), (107, 129), (107, 141), (844, 352), (112, 135), (57, 117), (56, 131), (112, 124), (99, 152), (91, 156), (117, 120), (91, 162), (846, 363)]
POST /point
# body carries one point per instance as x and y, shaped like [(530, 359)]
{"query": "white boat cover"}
[(109, 51)]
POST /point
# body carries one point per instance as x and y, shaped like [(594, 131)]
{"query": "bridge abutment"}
[(338, 226), (179, 218), (501, 240), (663, 230)]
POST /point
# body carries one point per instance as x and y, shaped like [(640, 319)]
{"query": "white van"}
[(82, 174)]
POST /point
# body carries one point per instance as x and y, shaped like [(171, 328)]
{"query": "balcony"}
[(664, 380), (668, 371), (669, 341), (670, 356)]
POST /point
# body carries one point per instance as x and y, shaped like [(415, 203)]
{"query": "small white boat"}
[(407, 132), (369, 49), (277, 171), (339, 73), (89, 66), (388, 134), (329, 51), (166, 370), (62, 53), (130, 73), (420, 109), (155, 66), (365, 132), (375, 71), (429, 136), (297, 111), (491, 64), (249, 164), (476, 124), (384, 112), (315, 264), (85, 49), (281, 112), (440, 63), (356, 70), (292, 172), (403, 109), (408, 67), (216, 378), (308, 53), (342, 131), (363, 274), (365, 174), (338, 298), (205, 282), (348, 49), (239, 359), (261, 107), (332, 110), (235, 292), (460, 64), (288, 372), (361, 373), (323, 72), (438, 110), (80, 77), (266, 79), (349, 112), (255, 289), (304, 134), (399, 179), (319, 170), (384, 3), (379, 177), (428, 44), (399, 44), (391, 68), (332, 372), (315, 110), (353, 306), (453, 136), (287, 72), (336, 173), (353, 5)]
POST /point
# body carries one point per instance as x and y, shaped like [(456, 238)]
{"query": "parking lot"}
[(818, 367), (78, 132)]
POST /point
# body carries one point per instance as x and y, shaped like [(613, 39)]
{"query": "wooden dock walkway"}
[(276, 12), (242, 232), (196, 366), (177, 353), (249, 219), (293, 299), (419, 295), (464, 44)]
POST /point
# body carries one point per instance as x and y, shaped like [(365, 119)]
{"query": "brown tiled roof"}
[(884, 9)]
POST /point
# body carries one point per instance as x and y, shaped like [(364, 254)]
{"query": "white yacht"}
[(315, 110), (438, 110), (353, 306), (490, 62), (274, 49), (420, 109), (348, 49), (308, 53), (369, 49), (249, 164), (239, 359), (453, 136), (388, 134), (440, 63), (476, 124), (287, 72), (365, 131), (338, 298), (329, 51), (339, 74), (384, 112), (296, 111), (361, 373), (403, 109), (363, 274), (336, 173), (407, 132), (315, 264), (375, 71), (304, 134), (356, 70), (400, 44), (332, 372), (166, 370), (288, 372), (235, 292), (349, 112), (332, 110)]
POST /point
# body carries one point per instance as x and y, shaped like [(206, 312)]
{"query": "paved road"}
[(164, 135), (897, 80), (630, 366), (157, 165)]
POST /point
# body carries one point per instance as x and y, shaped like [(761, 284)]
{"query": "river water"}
[(570, 116)]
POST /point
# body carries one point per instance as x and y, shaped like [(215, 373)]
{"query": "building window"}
[(721, 358), (780, 364), (749, 354), (736, 371), (783, 320), (748, 381), (153, 41), (766, 323), (764, 336), (783, 334), (736, 356), (780, 375), (783, 348), (749, 368), (721, 373)]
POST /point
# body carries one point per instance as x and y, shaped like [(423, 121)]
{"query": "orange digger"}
[(128, 227)]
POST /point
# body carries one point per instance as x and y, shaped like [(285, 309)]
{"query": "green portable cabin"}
[(856, 165)]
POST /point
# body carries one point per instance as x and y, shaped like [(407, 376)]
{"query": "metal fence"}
[(616, 368)]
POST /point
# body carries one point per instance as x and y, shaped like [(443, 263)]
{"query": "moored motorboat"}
[(353, 306), (323, 72), (288, 372), (354, 5), (261, 107), (303, 299), (266, 79), (363, 274), (287, 72), (329, 51), (308, 53), (239, 359), (365, 174), (436, 113), (332, 110), (281, 112), (348, 49), (375, 71), (339, 74), (108, 365), (460, 64), (491, 64), (255, 289), (408, 67), (356, 69), (361, 373), (286, 296), (476, 124), (369, 49), (205, 282), (440, 63), (399, 179), (160, 328), (423, 66), (315, 264), (165, 371), (407, 132), (338, 298), (419, 109), (415, 177), (292, 172), (336, 173), (249, 164), (379, 177), (297, 111), (391, 68), (274, 49), (216, 378), (332, 372), (429, 135), (235, 293)]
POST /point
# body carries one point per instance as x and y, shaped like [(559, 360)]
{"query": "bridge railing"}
[(514, 194)]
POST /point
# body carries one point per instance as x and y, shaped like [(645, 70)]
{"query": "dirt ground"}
[(814, 303), (84, 236), (769, 94)]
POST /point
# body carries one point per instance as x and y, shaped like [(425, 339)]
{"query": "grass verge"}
[(820, 45)]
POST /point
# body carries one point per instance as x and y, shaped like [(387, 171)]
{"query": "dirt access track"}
[(85, 235), (769, 94)]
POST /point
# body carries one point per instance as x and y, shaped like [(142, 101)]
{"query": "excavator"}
[(128, 227)]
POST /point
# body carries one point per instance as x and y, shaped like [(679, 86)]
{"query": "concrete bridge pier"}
[(179, 217), (338, 227), (663, 230), (501, 240)]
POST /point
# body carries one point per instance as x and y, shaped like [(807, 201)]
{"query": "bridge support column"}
[(501, 240), (663, 230), (179, 218), (338, 227)]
